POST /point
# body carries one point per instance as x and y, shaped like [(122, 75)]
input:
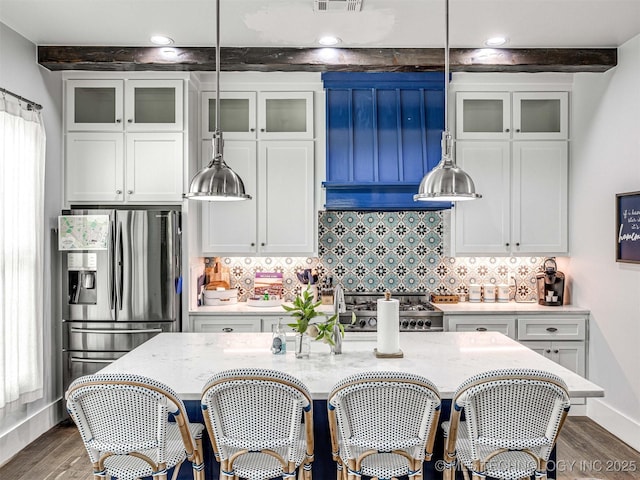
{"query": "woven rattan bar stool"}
[(124, 423), (255, 422), (382, 424), (512, 420)]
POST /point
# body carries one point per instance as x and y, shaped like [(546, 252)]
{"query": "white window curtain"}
[(22, 165)]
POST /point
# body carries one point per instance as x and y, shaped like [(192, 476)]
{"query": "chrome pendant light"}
[(447, 181), (217, 181)]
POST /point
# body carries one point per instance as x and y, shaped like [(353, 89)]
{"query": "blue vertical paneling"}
[(338, 142), (434, 114), (387, 115), (383, 135), (412, 134), (364, 140)]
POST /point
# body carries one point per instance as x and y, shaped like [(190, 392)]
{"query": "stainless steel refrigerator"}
[(120, 283)]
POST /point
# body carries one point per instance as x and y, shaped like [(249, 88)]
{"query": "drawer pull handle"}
[(481, 329), (227, 329), (552, 329)]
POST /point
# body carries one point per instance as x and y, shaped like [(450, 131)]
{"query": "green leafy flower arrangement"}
[(304, 311)]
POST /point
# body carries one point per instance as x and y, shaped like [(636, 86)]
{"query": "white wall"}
[(605, 161), (20, 73)]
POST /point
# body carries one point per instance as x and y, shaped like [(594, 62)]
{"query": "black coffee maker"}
[(550, 284)]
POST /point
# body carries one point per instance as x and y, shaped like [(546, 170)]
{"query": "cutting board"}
[(218, 276)]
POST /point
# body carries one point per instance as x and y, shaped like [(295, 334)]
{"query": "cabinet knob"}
[(118, 192), (262, 244), (517, 130), (252, 129), (556, 351), (507, 130), (517, 244), (548, 350), (481, 329), (262, 129), (507, 244), (253, 244), (552, 329), (227, 329), (130, 120), (118, 120)]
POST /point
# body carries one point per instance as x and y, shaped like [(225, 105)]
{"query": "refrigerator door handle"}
[(92, 360), (119, 269), (115, 331), (112, 268)]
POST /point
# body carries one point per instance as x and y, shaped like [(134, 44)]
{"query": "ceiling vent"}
[(337, 5)]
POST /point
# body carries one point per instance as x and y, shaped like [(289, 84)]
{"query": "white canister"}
[(475, 293), (489, 293), (503, 293)]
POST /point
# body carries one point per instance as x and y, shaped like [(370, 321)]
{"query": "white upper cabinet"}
[(153, 105), (117, 105), (523, 209), (483, 115), (124, 140), (237, 116), (517, 115), (259, 115), (285, 115), (231, 227), (94, 105), (280, 217)]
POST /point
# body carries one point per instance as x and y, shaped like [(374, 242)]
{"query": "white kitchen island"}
[(185, 361)]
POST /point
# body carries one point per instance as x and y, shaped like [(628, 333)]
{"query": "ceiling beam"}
[(327, 59)]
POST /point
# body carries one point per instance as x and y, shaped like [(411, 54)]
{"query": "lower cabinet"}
[(561, 338), (238, 323), (482, 323), (224, 323)]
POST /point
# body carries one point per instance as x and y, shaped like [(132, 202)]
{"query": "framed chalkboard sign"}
[(628, 227)]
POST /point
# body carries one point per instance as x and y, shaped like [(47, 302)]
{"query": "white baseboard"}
[(620, 425), (27, 431)]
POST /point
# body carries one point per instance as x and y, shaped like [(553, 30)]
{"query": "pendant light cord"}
[(446, 66), (218, 65)]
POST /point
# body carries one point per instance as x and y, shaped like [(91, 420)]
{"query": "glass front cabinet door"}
[(483, 116), (540, 115), (117, 105), (285, 115), (94, 105), (512, 116), (237, 115)]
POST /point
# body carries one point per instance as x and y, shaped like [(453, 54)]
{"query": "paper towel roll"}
[(388, 338)]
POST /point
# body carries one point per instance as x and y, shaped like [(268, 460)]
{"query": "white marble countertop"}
[(185, 361), (482, 308), (241, 308)]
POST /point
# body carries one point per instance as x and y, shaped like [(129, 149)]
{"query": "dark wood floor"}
[(585, 451)]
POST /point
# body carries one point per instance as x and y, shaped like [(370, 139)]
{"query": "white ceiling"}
[(294, 23)]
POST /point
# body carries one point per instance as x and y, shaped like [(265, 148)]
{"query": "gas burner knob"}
[(372, 321), (420, 323), (404, 323), (412, 324), (362, 323), (427, 323)]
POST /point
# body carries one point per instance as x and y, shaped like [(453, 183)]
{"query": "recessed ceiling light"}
[(495, 41), (329, 40), (161, 40)]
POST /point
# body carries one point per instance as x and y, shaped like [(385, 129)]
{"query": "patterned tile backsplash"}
[(397, 251)]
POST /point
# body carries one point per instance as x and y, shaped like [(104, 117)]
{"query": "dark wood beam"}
[(327, 60)]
